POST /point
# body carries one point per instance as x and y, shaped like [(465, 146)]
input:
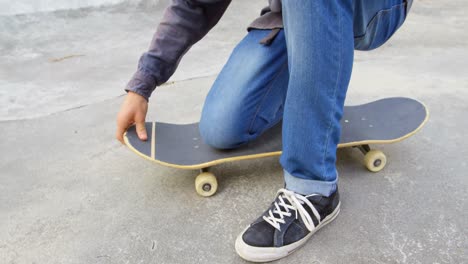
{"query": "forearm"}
[(183, 24)]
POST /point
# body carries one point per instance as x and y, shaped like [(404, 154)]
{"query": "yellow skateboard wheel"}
[(206, 184), (375, 160)]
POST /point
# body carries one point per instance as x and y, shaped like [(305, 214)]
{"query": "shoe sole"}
[(265, 254)]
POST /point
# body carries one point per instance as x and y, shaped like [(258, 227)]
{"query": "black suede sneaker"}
[(289, 222)]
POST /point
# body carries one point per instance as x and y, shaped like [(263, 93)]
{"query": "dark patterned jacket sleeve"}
[(183, 24)]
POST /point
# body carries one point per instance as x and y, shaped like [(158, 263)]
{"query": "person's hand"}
[(132, 111)]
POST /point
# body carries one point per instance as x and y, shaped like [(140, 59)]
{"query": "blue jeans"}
[(300, 78)]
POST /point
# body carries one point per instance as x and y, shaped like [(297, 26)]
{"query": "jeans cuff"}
[(305, 187)]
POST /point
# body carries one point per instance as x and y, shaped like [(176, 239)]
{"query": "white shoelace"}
[(283, 209)]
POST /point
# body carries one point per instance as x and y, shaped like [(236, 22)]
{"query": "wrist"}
[(137, 95)]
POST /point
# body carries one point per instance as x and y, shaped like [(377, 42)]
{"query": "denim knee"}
[(381, 27), (221, 131)]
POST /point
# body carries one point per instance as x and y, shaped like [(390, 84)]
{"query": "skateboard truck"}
[(374, 160)]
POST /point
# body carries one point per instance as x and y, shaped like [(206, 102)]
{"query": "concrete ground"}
[(70, 193)]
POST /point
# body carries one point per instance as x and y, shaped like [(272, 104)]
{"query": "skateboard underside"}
[(384, 121)]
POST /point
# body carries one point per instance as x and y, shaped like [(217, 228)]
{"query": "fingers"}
[(141, 130), (124, 120), (119, 134), (121, 128)]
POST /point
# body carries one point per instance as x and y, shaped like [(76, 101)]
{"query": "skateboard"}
[(383, 121)]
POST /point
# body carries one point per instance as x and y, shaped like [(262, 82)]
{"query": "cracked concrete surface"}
[(69, 193)]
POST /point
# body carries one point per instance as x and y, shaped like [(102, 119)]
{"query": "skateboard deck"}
[(383, 121)]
